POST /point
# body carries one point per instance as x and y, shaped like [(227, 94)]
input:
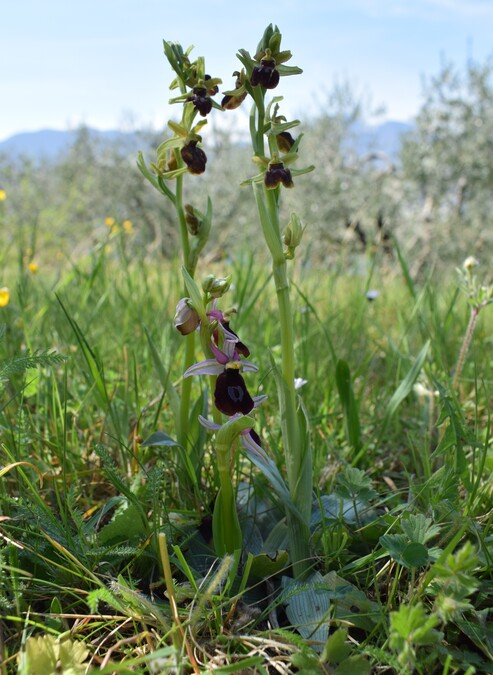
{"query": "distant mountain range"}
[(50, 143)]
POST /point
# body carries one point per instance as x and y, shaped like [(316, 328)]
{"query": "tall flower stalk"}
[(274, 151), (177, 157), (478, 296), (267, 127)]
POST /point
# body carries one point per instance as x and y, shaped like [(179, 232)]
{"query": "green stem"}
[(186, 389), (185, 243), (225, 524), (465, 345), (297, 455)]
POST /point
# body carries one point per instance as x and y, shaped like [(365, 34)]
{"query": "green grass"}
[(106, 557)]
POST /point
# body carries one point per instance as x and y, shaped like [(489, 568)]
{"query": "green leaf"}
[(32, 382), (194, 294), (406, 553), (45, 654), (419, 528), (415, 555), (336, 648), (226, 530), (350, 604), (349, 405), (404, 388), (164, 379), (307, 607), (354, 665), (353, 484), (411, 625), (126, 526), (265, 565), (271, 472), (159, 438)]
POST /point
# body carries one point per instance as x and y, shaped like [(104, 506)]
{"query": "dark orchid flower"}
[(194, 157), (231, 395), (201, 100), (276, 174), (265, 74)]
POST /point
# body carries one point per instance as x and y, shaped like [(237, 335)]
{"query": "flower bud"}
[(216, 287), (294, 231), (193, 223), (186, 318), (233, 99), (284, 141)]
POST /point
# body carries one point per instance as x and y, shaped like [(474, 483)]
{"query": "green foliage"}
[(45, 654), (346, 393), (411, 627), (409, 549), (453, 582)]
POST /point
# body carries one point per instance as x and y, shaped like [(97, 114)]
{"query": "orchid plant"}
[(275, 152)]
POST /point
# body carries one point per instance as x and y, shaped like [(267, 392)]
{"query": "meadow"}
[(313, 496)]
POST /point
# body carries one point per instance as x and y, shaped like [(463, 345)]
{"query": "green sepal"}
[(195, 295)]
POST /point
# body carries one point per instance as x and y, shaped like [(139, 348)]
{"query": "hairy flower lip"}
[(194, 157), (230, 393)]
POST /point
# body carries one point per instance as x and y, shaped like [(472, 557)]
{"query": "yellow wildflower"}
[(109, 221), (33, 267), (115, 229), (3, 195), (4, 296), (128, 226)]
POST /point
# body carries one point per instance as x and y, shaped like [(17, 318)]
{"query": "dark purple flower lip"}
[(231, 395), (265, 74), (194, 157), (276, 174)]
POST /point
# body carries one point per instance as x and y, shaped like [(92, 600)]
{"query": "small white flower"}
[(470, 262), (299, 382), (372, 294)]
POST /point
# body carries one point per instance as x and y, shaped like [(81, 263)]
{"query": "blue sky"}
[(64, 63)]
